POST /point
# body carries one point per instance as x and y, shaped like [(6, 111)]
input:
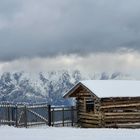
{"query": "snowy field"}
[(46, 133)]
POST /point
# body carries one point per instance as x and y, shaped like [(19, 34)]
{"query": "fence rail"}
[(20, 115)]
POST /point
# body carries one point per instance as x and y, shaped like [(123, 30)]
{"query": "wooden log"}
[(120, 99), (86, 125), (89, 118), (111, 102), (120, 106), (125, 125), (119, 110), (122, 113), (122, 117), (84, 94), (122, 121), (118, 102), (89, 114), (96, 122)]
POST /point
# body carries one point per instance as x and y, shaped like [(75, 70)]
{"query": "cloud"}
[(30, 29), (127, 63)]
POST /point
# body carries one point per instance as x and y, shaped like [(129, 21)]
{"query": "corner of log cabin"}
[(86, 118), (106, 112)]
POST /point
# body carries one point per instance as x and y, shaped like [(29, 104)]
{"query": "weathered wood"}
[(120, 98), (125, 125), (86, 125), (121, 105), (89, 118), (94, 122), (118, 102), (122, 113), (122, 121), (89, 114), (108, 110), (122, 117)]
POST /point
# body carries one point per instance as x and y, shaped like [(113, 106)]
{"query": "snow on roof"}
[(113, 88)]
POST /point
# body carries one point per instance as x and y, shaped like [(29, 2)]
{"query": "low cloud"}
[(127, 63)]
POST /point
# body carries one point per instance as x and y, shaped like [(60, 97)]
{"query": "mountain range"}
[(45, 87)]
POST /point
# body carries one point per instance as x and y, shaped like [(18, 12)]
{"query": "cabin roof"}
[(109, 88)]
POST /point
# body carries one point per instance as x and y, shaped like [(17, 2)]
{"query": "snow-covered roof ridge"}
[(113, 88)]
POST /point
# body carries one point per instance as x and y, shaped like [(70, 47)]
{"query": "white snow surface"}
[(113, 88), (52, 133)]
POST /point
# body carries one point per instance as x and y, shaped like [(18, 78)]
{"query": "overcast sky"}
[(48, 31)]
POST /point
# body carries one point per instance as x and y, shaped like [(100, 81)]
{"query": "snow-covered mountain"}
[(46, 87)]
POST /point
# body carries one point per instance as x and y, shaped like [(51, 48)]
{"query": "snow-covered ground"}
[(46, 133)]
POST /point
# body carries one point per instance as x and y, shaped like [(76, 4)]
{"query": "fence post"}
[(53, 116), (49, 115), (16, 115), (72, 115), (8, 112), (25, 116), (63, 117)]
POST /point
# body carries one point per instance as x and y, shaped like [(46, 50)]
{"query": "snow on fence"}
[(21, 115)]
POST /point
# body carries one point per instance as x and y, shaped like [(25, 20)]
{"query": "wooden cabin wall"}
[(87, 119), (120, 112), (109, 112)]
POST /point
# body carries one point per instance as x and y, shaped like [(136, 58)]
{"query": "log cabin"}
[(107, 103)]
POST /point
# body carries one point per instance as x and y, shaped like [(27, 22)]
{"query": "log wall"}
[(121, 112), (87, 119), (108, 112)]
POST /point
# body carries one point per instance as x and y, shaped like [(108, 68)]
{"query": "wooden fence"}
[(20, 115)]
